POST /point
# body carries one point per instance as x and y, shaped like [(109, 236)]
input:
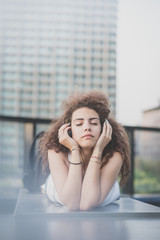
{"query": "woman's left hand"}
[(105, 136)]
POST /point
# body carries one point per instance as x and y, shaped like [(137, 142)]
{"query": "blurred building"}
[(49, 49), (151, 117)]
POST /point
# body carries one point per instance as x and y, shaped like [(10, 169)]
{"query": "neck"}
[(86, 154)]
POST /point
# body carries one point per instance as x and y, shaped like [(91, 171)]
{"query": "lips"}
[(87, 136)]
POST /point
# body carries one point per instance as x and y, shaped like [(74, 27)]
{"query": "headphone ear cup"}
[(101, 128), (70, 132)]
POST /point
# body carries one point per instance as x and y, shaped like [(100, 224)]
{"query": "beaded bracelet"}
[(96, 157), (75, 163), (76, 148), (95, 161)]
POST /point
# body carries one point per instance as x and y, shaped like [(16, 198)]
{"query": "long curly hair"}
[(98, 102)]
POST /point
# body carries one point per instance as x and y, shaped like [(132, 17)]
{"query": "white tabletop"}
[(37, 218)]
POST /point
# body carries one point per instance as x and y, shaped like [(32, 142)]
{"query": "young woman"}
[(87, 150)]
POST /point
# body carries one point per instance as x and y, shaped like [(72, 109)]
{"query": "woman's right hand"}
[(64, 137)]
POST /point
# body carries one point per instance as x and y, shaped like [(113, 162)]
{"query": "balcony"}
[(17, 134), (36, 218)]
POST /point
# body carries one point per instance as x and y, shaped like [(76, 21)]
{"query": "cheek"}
[(98, 131), (75, 133)]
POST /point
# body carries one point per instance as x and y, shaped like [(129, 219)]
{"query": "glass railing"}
[(16, 135), (145, 160)]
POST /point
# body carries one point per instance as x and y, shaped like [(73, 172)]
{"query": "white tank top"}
[(50, 190)]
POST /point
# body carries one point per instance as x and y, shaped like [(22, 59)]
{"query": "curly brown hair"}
[(98, 102)]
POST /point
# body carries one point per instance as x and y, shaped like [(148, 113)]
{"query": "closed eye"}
[(94, 123), (78, 124)]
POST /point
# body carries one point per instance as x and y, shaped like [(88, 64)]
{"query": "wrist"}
[(77, 148), (96, 158), (74, 146), (97, 152)]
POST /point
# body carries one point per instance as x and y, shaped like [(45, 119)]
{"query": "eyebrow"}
[(93, 118)]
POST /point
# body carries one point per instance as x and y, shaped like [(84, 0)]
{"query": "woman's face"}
[(86, 127)]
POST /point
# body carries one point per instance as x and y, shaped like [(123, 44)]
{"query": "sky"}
[(138, 59)]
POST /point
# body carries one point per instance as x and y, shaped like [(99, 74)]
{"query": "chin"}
[(87, 145)]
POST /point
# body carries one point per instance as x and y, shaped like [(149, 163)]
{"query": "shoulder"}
[(57, 156), (117, 156), (53, 155), (116, 159)]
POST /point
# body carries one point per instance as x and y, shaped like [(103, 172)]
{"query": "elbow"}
[(89, 203), (72, 207), (84, 206), (72, 204)]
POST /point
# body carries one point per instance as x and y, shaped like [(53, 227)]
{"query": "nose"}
[(87, 126)]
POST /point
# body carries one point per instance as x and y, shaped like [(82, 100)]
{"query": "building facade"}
[(49, 49)]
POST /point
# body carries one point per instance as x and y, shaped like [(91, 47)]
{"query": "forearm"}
[(91, 190), (71, 192)]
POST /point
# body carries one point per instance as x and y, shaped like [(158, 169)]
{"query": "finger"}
[(66, 129), (65, 132), (62, 128), (109, 128), (105, 127)]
